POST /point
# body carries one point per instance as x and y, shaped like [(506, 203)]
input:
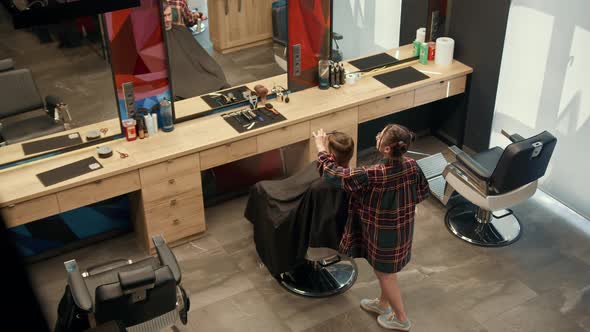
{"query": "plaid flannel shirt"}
[(381, 210), (181, 14)]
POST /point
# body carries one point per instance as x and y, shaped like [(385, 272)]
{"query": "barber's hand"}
[(320, 140)]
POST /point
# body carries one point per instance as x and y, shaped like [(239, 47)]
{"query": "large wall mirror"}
[(56, 83), (217, 48), (363, 27)]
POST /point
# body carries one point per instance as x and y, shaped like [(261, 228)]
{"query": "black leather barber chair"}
[(140, 296), (325, 273), (493, 181), (24, 114), (298, 222)]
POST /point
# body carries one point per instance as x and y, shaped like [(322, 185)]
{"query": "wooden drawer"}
[(228, 153), (457, 86), (176, 218), (98, 191), (283, 136), (169, 169), (335, 121), (440, 90), (170, 187), (34, 209), (385, 106)]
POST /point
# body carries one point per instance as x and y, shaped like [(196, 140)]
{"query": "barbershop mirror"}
[(216, 45), (56, 81), (364, 27)]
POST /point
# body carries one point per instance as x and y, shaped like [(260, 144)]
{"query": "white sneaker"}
[(373, 306), (390, 322)]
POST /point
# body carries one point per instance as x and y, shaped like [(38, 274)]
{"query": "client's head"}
[(167, 11), (341, 146), (394, 140)]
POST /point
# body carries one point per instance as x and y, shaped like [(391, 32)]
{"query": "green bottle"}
[(417, 45), (424, 53)]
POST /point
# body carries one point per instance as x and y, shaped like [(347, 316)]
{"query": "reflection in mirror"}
[(364, 27), (439, 18), (217, 44), (55, 81)]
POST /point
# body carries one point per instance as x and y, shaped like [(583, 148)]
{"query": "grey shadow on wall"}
[(348, 16), (559, 62)]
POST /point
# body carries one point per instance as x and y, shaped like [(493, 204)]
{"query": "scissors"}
[(123, 155), (104, 131)]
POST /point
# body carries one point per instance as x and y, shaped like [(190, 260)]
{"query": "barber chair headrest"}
[(137, 282)]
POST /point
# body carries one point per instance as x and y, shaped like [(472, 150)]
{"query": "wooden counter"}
[(168, 165)]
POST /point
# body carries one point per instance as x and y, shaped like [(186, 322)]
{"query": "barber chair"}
[(23, 114), (140, 296), (325, 273), (493, 181), (6, 65)]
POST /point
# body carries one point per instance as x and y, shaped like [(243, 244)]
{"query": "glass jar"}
[(324, 74), (166, 116)]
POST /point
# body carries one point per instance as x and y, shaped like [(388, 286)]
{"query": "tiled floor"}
[(540, 283)]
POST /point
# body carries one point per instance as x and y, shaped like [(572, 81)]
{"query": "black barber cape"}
[(194, 72), (291, 214)]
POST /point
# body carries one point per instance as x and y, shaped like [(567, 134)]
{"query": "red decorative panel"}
[(138, 54), (310, 25)]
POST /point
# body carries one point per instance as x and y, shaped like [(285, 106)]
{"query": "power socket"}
[(129, 99), (297, 59)]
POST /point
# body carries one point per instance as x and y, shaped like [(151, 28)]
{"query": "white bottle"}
[(149, 124), (155, 122)]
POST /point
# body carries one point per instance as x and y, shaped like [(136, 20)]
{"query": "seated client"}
[(298, 212)]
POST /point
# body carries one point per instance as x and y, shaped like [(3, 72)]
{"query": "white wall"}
[(368, 26), (545, 85)]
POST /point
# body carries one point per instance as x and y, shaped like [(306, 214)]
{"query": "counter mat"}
[(52, 143), (374, 61), (218, 101), (268, 117), (68, 171), (400, 77)]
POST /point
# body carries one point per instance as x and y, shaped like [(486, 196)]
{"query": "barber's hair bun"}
[(398, 138)]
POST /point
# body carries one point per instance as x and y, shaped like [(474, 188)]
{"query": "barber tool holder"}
[(247, 119), (225, 98)]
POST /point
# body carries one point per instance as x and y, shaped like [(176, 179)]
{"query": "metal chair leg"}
[(479, 227)]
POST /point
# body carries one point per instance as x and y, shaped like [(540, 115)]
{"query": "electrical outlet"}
[(297, 59), (129, 99)]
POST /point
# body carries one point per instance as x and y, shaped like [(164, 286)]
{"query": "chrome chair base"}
[(462, 221), (315, 279)]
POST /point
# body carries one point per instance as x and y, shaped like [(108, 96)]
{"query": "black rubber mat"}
[(219, 101), (264, 117), (69, 171), (52, 143), (397, 78), (374, 61)]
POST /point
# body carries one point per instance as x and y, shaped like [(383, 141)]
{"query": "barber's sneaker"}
[(373, 306), (390, 322)]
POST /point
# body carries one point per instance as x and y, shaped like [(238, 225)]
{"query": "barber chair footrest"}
[(461, 221), (316, 280)]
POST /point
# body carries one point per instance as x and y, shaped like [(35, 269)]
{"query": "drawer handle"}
[(11, 206), (171, 181), (388, 97), (98, 182), (441, 82), (173, 202), (284, 129), (170, 161), (176, 222)]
